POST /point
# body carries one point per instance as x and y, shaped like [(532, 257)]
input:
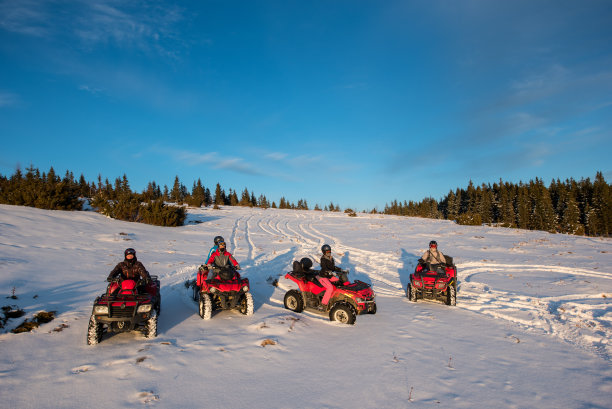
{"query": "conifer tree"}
[(219, 195)]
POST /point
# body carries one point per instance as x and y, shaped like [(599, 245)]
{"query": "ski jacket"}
[(328, 266), (212, 250), (434, 257), (130, 270), (220, 260)]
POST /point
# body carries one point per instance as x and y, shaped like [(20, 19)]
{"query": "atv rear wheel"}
[(343, 313), (293, 301), (94, 331), (412, 293), (246, 304), (151, 326), (451, 295), (205, 306)]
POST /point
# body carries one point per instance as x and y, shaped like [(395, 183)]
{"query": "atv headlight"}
[(440, 285), (417, 283), (212, 290), (245, 288), (101, 309), (144, 308), (359, 300)]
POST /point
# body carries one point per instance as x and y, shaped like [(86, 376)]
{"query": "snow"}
[(532, 326)]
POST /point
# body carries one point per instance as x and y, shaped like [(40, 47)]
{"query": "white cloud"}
[(143, 25), (7, 99), (277, 156)]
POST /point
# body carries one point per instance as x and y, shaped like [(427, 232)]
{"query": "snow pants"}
[(329, 288)]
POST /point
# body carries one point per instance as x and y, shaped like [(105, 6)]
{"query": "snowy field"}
[(532, 326)]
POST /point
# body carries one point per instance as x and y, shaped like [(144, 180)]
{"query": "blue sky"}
[(355, 102)]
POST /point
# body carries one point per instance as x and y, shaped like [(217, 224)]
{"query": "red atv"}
[(123, 308), (226, 290), (434, 281), (346, 302)]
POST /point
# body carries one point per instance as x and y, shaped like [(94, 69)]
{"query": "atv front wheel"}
[(412, 293), (151, 326), (205, 306), (293, 301), (246, 304), (94, 331), (372, 309), (343, 313), (451, 295)]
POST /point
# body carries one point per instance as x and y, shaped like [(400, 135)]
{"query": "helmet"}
[(433, 243), (129, 251), (306, 263), (325, 248), (218, 240)]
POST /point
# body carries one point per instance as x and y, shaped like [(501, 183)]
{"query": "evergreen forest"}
[(575, 207)]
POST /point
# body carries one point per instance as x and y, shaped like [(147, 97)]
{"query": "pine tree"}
[(570, 214), (177, 194), (245, 199), (219, 195)]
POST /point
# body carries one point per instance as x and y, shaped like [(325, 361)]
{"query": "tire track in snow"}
[(581, 319), (247, 235), (260, 224)]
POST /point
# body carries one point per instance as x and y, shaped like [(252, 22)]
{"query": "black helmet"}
[(306, 263), (129, 251), (433, 243), (325, 248), (218, 240)]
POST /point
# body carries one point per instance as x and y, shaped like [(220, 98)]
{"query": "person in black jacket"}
[(132, 269), (326, 276)]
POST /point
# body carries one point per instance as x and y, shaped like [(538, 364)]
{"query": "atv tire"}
[(94, 331), (412, 293), (451, 295), (343, 313), (151, 325), (205, 305), (294, 301), (246, 304), (373, 309)]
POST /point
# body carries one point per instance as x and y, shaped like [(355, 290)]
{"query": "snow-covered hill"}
[(532, 326)]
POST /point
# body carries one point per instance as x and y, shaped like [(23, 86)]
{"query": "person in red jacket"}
[(221, 260)]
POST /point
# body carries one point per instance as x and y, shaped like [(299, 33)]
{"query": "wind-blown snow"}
[(532, 326)]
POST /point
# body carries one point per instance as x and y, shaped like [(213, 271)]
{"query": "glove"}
[(346, 271), (109, 279), (238, 267)]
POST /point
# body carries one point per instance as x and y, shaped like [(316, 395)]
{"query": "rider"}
[(433, 255), (221, 258), (204, 268), (326, 276), (130, 268)]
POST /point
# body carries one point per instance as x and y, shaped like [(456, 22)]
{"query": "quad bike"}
[(226, 290), (123, 308), (347, 301), (434, 281)]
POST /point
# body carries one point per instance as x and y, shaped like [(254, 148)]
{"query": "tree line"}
[(575, 207), (119, 201)]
